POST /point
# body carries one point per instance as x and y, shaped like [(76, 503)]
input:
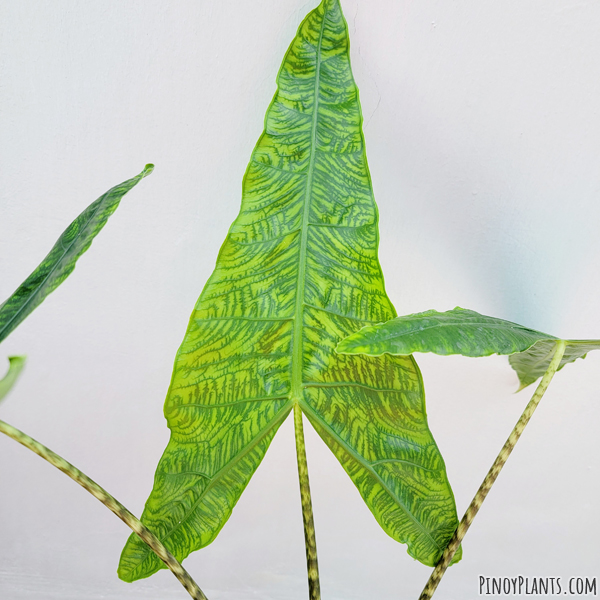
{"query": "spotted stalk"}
[(492, 475), (111, 503), (312, 565)]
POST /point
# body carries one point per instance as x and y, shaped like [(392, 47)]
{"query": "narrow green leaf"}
[(457, 331), (297, 273), (60, 262), (15, 366), (462, 331)]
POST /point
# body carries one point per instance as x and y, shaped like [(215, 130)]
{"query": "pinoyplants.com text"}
[(538, 586)]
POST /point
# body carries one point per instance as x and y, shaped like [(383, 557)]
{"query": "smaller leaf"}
[(532, 364), (16, 364), (466, 332), (60, 262), (457, 331)]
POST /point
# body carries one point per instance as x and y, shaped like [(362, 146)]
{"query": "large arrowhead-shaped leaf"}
[(60, 262), (297, 273), (15, 366), (461, 331)]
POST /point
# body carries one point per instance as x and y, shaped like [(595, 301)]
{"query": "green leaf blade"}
[(378, 431), (61, 260), (194, 493), (15, 366), (532, 364), (297, 273), (457, 331), (465, 332)]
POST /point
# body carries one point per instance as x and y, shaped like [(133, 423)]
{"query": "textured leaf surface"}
[(60, 262), (532, 364), (15, 366), (297, 273), (466, 332), (457, 331)]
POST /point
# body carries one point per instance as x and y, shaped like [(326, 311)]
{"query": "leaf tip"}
[(126, 570), (147, 170), (15, 366), (17, 360), (124, 575)]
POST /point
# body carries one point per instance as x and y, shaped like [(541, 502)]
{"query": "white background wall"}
[(483, 136)]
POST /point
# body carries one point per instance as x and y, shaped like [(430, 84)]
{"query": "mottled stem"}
[(314, 588), (492, 475), (111, 503)]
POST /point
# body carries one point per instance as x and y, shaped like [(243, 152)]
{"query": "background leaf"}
[(297, 273), (466, 332), (457, 331), (15, 366), (61, 260), (532, 364)]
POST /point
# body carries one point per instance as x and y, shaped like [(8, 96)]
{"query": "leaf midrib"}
[(296, 383)]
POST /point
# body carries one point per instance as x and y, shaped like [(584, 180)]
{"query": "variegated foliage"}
[(297, 273)]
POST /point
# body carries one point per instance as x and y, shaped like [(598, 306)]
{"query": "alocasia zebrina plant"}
[(297, 272)]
